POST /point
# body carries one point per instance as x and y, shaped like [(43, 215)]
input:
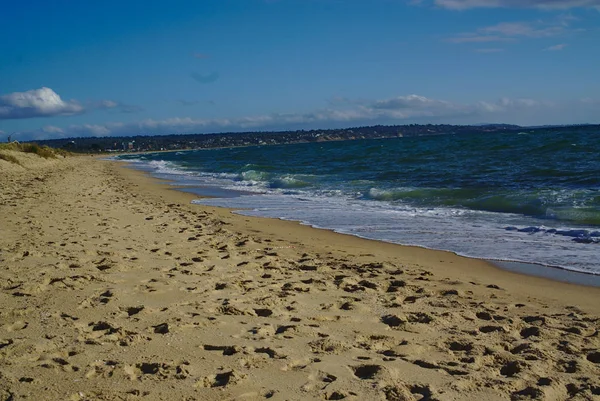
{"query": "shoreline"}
[(116, 287), (414, 254), (531, 269), (555, 273)]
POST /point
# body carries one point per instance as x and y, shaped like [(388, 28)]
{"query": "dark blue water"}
[(532, 197)]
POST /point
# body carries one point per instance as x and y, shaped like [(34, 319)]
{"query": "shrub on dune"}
[(42, 151), (9, 158)]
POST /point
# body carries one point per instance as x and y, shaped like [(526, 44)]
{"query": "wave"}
[(275, 181), (288, 182), (255, 175), (580, 215), (575, 206), (578, 235), (167, 168), (555, 146), (424, 194)]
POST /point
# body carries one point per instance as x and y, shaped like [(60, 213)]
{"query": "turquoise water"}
[(531, 197)]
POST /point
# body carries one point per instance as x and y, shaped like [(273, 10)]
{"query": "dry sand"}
[(114, 287)]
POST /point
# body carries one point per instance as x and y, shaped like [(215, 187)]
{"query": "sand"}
[(115, 287)]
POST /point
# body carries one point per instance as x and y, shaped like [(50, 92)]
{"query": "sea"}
[(531, 197)]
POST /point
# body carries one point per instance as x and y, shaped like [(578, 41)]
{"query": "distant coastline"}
[(151, 143)]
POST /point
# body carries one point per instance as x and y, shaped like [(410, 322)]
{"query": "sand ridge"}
[(113, 288)]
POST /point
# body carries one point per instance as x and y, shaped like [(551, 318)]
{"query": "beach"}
[(115, 287)]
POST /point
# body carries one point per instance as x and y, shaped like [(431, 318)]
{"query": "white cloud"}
[(510, 103), (53, 130), (555, 48), (515, 29), (588, 100), (541, 4), (512, 31), (90, 130), (414, 106), (410, 102), (114, 106), (43, 102), (477, 38), (107, 104)]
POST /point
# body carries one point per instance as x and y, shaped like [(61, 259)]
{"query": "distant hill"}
[(140, 143), (502, 126)]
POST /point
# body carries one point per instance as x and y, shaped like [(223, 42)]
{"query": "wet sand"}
[(114, 287)]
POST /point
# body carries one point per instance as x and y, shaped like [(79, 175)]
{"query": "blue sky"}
[(79, 68)]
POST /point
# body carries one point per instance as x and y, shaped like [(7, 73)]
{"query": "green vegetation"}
[(42, 151), (9, 158), (9, 146)]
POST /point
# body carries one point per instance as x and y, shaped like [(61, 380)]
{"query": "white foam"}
[(468, 233)]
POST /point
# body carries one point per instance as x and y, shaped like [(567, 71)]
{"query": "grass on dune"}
[(42, 151), (9, 158)]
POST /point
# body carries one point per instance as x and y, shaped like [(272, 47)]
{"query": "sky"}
[(119, 68)]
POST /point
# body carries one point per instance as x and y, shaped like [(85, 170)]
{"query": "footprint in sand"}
[(221, 379), (160, 370), (16, 326), (530, 331), (366, 372), (162, 328), (104, 369), (133, 310), (226, 350), (594, 357)]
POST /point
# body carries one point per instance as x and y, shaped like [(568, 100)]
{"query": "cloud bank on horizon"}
[(254, 65), (398, 110)]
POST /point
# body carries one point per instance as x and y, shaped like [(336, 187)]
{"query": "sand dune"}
[(114, 287)]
